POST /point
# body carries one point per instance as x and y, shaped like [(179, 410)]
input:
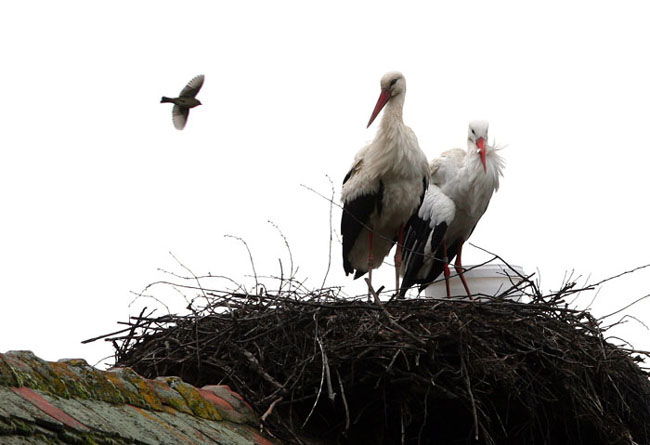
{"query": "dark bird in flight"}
[(186, 100)]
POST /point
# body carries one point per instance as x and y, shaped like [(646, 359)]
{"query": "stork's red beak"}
[(383, 99), (481, 151)]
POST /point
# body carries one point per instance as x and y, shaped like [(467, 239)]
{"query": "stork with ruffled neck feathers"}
[(462, 183)]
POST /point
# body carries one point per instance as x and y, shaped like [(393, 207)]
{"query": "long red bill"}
[(481, 151), (383, 99)]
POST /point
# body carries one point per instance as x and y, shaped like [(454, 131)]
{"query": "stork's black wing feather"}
[(348, 176), (416, 228), (426, 227), (356, 214), (417, 257), (438, 264), (425, 186), (417, 233)]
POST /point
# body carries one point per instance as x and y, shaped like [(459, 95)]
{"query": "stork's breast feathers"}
[(401, 199)]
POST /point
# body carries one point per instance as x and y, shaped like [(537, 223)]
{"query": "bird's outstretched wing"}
[(424, 234), (179, 116), (193, 86)]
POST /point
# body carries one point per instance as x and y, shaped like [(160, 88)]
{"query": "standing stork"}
[(462, 183), (384, 187)]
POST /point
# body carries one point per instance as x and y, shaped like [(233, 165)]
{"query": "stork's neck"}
[(395, 150), (392, 117)]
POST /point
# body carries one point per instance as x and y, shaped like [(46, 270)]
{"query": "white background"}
[(97, 187)]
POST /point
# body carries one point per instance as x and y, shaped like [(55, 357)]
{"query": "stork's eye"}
[(473, 132), (393, 82)]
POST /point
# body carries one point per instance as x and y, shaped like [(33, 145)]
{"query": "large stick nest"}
[(413, 371)]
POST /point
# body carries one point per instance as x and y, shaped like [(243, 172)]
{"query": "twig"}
[(269, 410), (250, 256), (320, 389), (328, 378), (331, 231), (90, 340), (620, 275), (286, 243), (390, 317), (625, 307), (465, 374), (142, 295), (426, 414), (258, 368), (345, 402), (198, 282)]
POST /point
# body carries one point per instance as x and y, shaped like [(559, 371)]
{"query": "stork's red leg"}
[(460, 271), (446, 267), (398, 256)]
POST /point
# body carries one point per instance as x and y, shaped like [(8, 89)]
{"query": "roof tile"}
[(71, 402)]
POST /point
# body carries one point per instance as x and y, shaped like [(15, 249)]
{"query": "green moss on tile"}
[(23, 428), (71, 438), (169, 398), (148, 396), (6, 428), (128, 392), (23, 373), (89, 439), (102, 387), (199, 406), (35, 373), (76, 385), (7, 375)]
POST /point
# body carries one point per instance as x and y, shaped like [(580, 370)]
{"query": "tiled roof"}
[(71, 402)]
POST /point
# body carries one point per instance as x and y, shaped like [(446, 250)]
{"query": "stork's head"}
[(392, 84), (477, 137)]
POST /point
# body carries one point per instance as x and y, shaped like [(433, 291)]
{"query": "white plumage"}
[(437, 211), (462, 183), (385, 185)]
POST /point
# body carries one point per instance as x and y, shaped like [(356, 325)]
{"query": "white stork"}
[(462, 183), (384, 187)]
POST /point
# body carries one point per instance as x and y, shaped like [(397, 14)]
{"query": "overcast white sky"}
[(97, 186)]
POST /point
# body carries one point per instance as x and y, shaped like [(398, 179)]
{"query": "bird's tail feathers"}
[(165, 99)]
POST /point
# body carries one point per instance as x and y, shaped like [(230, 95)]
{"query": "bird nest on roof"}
[(323, 369)]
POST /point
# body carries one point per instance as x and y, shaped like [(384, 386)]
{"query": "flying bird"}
[(185, 100), (462, 183), (384, 187)]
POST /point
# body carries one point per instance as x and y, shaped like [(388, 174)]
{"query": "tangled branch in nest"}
[(416, 371)]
